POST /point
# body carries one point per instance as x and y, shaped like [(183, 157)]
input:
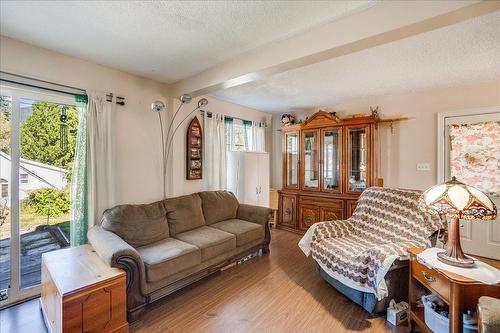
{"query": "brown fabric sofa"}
[(169, 244)]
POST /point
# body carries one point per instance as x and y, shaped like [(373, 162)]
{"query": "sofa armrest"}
[(110, 247), (255, 214), (259, 215), (118, 253)]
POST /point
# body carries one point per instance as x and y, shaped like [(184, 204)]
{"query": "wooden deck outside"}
[(33, 244)]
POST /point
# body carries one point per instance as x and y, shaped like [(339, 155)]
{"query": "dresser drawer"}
[(431, 279), (308, 215), (323, 202)]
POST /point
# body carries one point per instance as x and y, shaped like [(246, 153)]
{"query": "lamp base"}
[(464, 262), (454, 255)]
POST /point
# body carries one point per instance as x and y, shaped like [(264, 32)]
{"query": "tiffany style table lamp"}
[(457, 201)]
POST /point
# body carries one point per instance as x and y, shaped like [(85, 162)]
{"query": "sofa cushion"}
[(184, 213), (137, 225), (212, 242), (244, 231), (167, 257), (218, 206)]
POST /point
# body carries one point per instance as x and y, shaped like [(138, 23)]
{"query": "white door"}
[(242, 176), (480, 238), (25, 231), (250, 178)]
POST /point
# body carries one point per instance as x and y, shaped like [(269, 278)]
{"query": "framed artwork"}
[(194, 153)]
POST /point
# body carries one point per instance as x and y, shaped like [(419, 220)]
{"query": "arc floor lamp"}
[(167, 138)]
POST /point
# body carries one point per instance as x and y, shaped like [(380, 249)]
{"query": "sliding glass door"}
[(37, 145)]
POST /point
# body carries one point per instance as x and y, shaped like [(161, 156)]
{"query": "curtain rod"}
[(51, 86), (262, 122), (24, 80)]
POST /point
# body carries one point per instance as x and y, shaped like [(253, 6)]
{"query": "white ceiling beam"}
[(386, 22)]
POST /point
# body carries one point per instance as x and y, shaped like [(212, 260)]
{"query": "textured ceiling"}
[(463, 53), (163, 40)]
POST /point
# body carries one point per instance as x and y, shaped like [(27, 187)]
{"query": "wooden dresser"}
[(327, 163), (460, 293), (81, 293)]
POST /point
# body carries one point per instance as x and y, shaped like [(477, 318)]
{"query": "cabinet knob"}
[(429, 277)]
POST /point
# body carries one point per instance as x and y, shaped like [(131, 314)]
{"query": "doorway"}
[(37, 145), (477, 159)]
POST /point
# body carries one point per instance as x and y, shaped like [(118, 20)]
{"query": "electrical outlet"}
[(423, 167)]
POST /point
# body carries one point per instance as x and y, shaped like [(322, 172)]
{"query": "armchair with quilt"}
[(364, 257)]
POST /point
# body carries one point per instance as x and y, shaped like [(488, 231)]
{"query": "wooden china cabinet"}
[(327, 163)]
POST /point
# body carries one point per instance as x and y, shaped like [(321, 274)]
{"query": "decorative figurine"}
[(287, 119), (375, 111)]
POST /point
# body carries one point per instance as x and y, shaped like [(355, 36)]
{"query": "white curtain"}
[(258, 136), (100, 181), (215, 152)]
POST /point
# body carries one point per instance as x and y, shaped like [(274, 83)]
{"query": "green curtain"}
[(79, 201)]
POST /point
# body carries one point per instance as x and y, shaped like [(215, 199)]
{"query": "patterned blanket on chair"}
[(360, 250)]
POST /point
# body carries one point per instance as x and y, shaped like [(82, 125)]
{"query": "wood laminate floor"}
[(279, 292)]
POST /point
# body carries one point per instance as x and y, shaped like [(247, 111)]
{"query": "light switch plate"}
[(423, 167)]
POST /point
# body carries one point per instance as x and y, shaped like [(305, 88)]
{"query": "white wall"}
[(136, 142), (179, 184), (413, 140), (136, 129)]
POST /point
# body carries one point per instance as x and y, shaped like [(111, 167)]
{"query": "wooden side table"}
[(81, 293), (459, 292)]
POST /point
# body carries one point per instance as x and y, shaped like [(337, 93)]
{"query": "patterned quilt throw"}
[(360, 250)]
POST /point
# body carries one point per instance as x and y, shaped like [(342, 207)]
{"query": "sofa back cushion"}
[(218, 206), (137, 225), (184, 213)]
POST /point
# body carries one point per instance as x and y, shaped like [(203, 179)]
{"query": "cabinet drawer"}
[(323, 202), (308, 216), (330, 214), (431, 279)]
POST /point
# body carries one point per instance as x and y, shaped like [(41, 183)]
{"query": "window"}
[(24, 178), (237, 135), (244, 135)]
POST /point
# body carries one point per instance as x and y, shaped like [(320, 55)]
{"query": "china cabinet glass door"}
[(357, 158), (310, 158), (292, 160), (331, 152)]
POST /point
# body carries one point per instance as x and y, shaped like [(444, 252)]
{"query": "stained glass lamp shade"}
[(457, 201)]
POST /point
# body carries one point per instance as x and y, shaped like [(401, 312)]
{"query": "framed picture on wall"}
[(194, 153)]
